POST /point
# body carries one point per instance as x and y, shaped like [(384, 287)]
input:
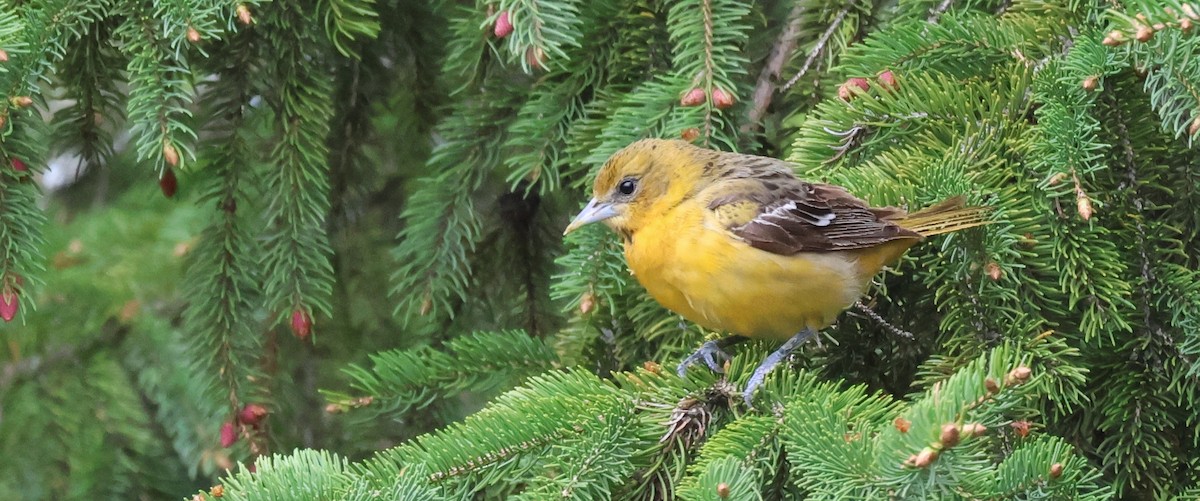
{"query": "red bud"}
[(228, 434), (503, 26), (690, 134), (8, 304), (252, 414), (301, 323), (167, 183), (19, 165), (722, 99)]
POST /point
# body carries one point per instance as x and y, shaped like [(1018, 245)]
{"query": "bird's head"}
[(639, 182)]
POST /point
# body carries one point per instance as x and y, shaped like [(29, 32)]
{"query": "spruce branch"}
[(819, 47), (768, 78)]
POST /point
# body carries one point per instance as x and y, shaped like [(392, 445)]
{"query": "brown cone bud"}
[(21, 101), (193, 35), (925, 457), (1195, 127), (887, 80), (901, 424), (973, 430), (536, 58), (993, 271), (1021, 428), (252, 414), (690, 134), (1056, 470), (587, 303), (1018, 375), (1084, 206), (503, 27), (1090, 83), (243, 14), (3, 56), (950, 435), (1114, 38), (1185, 25), (217, 491), (170, 154), (1144, 33), (722, 99), (991, 385), (652, 367), (853, 87), (1190, 12), (722, 490), (694, 97)]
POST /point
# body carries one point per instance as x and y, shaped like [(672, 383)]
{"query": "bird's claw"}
[(709, 352), (768, 364)]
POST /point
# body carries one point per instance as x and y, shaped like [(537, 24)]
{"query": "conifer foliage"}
[(465, 350)]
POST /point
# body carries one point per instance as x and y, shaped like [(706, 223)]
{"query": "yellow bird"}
[(736, 243)]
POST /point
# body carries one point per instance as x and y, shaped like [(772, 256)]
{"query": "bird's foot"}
[(768, 364), (710, 352)]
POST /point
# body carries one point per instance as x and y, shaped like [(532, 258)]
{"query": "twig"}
[(820, 46), (780, 53), (936, 13), (866, 310)]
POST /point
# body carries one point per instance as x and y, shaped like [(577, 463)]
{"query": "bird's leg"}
[(709, 352), (772, 360)]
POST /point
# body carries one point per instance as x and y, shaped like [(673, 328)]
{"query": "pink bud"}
[(503, 26), (19, 165), (228, 434), (694, 97), (301, 323)]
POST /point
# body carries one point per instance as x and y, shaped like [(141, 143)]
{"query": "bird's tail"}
[(946, 216)]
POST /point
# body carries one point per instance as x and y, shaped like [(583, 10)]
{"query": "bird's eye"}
[(627, 186)]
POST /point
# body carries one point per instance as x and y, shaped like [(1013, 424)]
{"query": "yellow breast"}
[(690, 264)]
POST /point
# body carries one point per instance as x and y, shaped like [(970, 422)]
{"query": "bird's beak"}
[(595, 211)]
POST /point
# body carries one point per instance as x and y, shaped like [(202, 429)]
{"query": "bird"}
[(738, 244)]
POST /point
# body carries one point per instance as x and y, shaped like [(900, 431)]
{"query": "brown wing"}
[(791, 216)]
